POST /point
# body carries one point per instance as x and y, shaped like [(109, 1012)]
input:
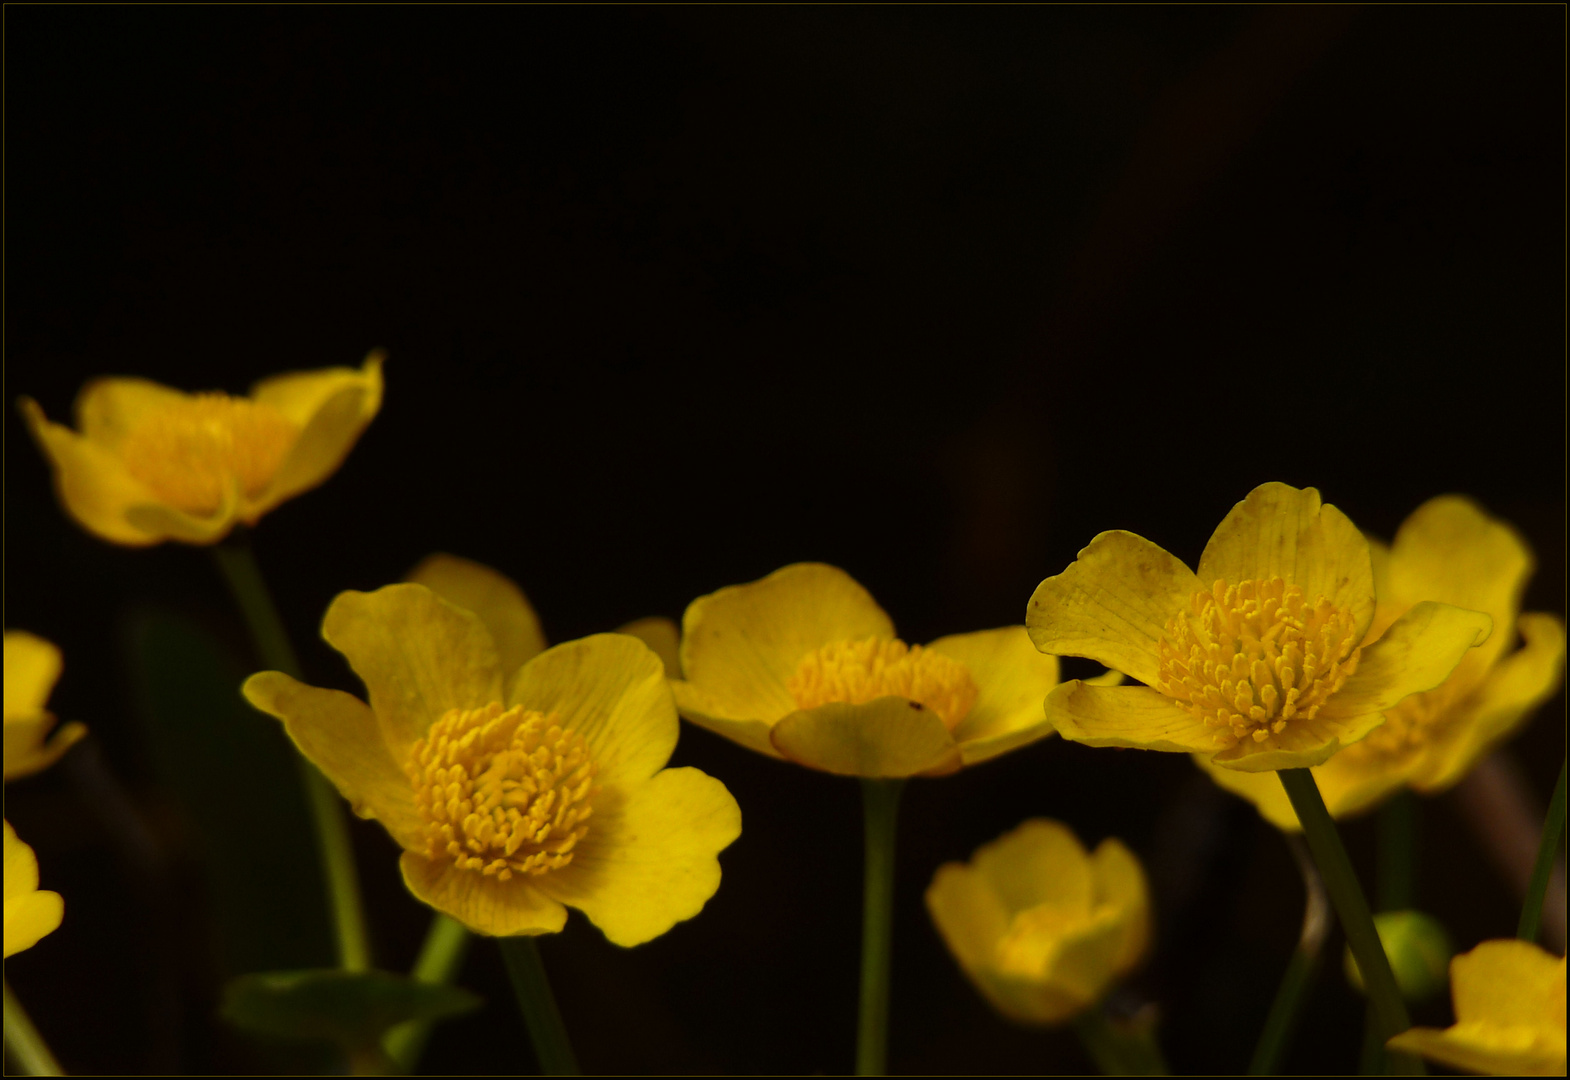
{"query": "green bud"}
[(1419, 951)]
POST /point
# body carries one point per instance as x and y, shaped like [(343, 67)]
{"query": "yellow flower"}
[(151, 464), (1451, 551), (1041, 927), (1257, 660), (512, 790), (1509, 1000), (31, 667), (30, 914), (804, 665)]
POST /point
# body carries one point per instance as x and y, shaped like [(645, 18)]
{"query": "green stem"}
[(22, 1040), (880, 803), (334, 847), (1346, 896), (446, 943), (1548, 848), (1120, 1048), (1395, 886), (1295, 981), (538, 1006)]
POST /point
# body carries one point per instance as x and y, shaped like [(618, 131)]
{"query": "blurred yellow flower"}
[(804, 665), (1509, 1001), (32, 665), (151, 464), (29, 913), (1041, 927), (1257, 660), (1451, 551), (512, 790)]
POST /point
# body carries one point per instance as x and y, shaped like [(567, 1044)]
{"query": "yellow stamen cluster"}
[(190, 452), (862, 671), (1250, 658), (1409, 725), (502, 791)]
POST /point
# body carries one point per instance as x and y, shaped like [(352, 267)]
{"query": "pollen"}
[(191, 452), (1250, 659), (502, 791), (862, 671)]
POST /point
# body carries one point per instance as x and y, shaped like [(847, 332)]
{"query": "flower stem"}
[(1295, 981), (1120, 1048), (1346, 896), (538, 1006), (446, 944), (1395, 886), (23, 1042), (244, 577), (1553, 830), (880, 803)]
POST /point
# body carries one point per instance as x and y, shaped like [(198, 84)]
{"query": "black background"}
[(674, 297)]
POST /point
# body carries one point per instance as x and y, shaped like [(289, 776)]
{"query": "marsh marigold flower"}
[(1042, 927), (1451, 551), (1257, 661), (30, 913), (149, 464), (804, 665), (31, 667), (1509, 999), (513, 790)]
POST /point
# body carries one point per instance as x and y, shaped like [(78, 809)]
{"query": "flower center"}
[(1034, 935), (862, 671), (1250, 658), (190, 451), (502, 791)]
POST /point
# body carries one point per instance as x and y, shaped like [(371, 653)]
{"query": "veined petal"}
[(27, 753), (1510, 693), (109, 409), (339, 734), (741, 644), (1112, 604), (611, 690), (91, 481), (1040, 861), (1120, 882), (1126, 716), (889, 737), (1012, 678), (494, 597), (483, 904), (663, 636), (32, 667), (332, 407), (417, 655), (1286, 532), (1418, 652), (651, 857), (696, 707)]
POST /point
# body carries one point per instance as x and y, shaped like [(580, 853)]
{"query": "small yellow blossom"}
[(32, 665), (1451, 551), (513, 790), (1039, 925), (1509, 999), (804, 665), (150, 464), (30, 913), (1257, 661)]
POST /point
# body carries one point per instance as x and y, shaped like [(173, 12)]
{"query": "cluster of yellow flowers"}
[(521, 779)]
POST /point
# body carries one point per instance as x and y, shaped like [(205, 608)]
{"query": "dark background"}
[(674, 297)]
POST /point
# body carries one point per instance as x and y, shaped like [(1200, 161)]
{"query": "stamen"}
[(191, 451), (862, 671)]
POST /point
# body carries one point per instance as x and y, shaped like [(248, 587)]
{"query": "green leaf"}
[(351, 1008)]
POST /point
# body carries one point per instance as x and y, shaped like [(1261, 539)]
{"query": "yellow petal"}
[(1012, 678), (171, 523), (1510, 693), (1125, 716), (417, 655), (21, 866), (29, 914), (1120, 883), (1040, 861), (27, 753), (332, 407), (698, 708), (92, 484), (109, 409), (1085, 962), (1112, 604), (1356, 779), (651, 857), (500, 604), (611, 690), (968, 913), (1507, 981), (1285, 532), (739, 645), (340, 736), (483, 904), (32, 666), (1418, 652), (1486, 1049), (661, 635), (889, 737)]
